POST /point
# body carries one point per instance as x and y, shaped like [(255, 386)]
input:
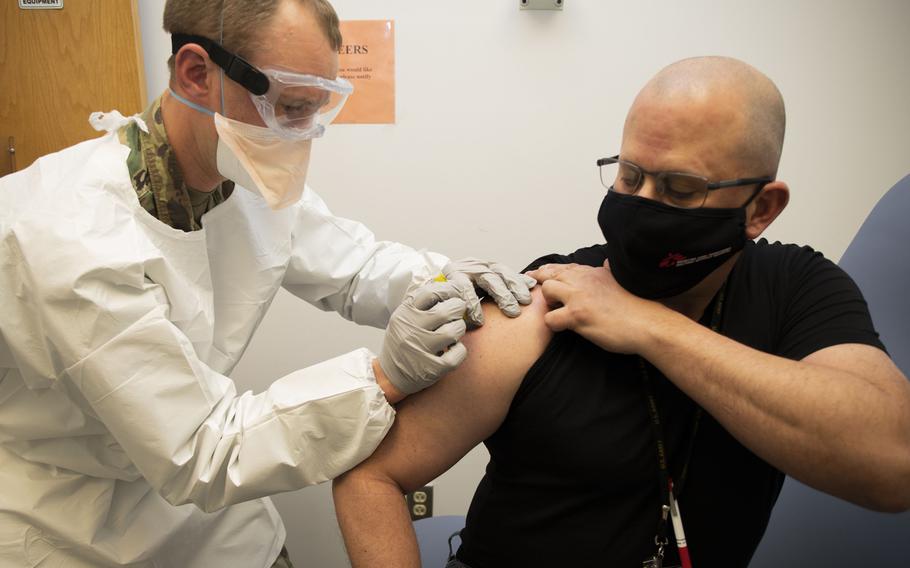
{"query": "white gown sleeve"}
[(99, 329), (338, 265)]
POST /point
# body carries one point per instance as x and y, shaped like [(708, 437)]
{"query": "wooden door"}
[(59, 65)]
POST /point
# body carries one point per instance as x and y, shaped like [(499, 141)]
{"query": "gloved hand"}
[(422, 340), (507, 287)]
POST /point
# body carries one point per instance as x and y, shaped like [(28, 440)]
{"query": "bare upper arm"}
[(435, 428), (865, 361)]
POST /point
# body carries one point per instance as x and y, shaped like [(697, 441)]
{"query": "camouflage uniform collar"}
[(157, 178)]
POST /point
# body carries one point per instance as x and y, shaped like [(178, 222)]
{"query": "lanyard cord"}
[(665, 481)]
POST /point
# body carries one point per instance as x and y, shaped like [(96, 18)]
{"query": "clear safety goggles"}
[(300, 105), (293, 105)]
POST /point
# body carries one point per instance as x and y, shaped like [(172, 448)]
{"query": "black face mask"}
[(658, 251)]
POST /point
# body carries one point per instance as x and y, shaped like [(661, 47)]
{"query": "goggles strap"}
[(237, 68)]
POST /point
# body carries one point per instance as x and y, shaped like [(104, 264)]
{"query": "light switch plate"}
[(541, 4)]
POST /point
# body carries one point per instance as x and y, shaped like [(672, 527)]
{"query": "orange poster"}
[(367, 59)]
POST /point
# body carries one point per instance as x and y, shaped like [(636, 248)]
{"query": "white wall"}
[(502, 113)]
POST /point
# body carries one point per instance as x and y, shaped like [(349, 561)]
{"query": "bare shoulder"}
[(504, 349), (442, 423), (500, 353)]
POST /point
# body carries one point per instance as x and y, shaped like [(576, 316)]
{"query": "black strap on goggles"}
[(237, 68)]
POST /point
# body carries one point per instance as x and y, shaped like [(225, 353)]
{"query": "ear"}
[(766, 207), (193, 74)]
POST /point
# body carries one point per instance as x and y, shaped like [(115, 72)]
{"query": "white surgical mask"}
[(258, 159)]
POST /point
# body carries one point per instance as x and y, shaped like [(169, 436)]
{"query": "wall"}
[(501, 115)]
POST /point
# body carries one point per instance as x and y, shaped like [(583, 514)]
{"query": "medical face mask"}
[(658, 251), (259, 159)]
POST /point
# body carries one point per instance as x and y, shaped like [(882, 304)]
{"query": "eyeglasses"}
[(686, 191), (294, 105)]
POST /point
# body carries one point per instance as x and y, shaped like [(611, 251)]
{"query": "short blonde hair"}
[(243, 20)]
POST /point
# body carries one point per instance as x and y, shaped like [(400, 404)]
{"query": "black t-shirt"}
[(573, 479)]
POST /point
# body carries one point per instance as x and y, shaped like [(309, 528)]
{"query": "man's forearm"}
[(374, 521), (835, 430)]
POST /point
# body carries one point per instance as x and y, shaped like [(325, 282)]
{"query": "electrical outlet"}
[(420, 502)]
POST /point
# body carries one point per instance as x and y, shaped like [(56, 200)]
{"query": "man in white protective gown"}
[(133, 273)]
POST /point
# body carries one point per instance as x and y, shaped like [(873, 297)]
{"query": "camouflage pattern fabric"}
[(157, 178), (283, 560)]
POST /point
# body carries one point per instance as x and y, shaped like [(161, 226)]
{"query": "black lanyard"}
[(660, 538)]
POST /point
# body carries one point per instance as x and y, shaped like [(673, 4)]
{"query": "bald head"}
[(728, 106)]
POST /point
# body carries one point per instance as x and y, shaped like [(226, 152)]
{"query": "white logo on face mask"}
[(710, 255), (260, 161)]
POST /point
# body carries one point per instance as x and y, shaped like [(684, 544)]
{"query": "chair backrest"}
[(433, 538), (878, 259), (809, 528)]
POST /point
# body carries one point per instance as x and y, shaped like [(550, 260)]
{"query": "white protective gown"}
[(122, 440)]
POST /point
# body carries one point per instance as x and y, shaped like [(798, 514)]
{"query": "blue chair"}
[(809, 528), (433, 537)]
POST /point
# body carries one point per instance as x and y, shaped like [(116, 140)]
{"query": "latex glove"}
[(549, 271), (422, 340), (507, 287)]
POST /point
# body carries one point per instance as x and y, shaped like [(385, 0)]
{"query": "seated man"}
[(692, 354)]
